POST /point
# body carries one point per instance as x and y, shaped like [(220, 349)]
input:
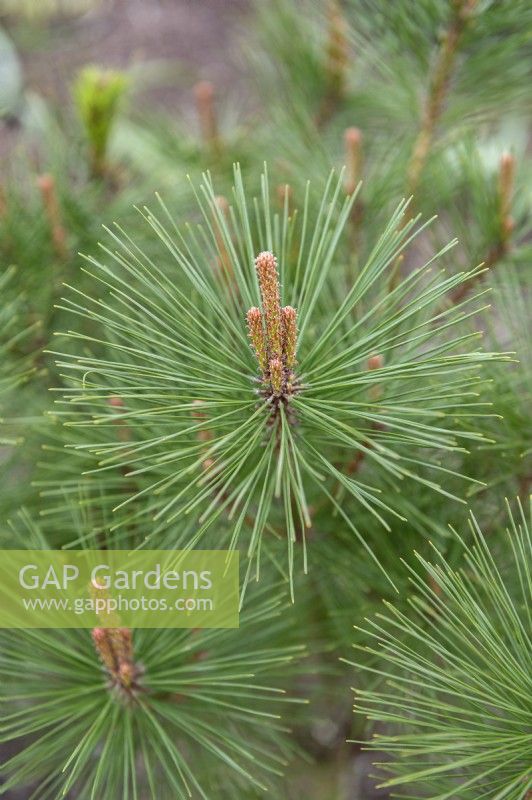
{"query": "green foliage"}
[(175, 353), (454, 710), (165, 429), (440, 143), (98, 94), (204, 721), (15, 361), (506, 457)]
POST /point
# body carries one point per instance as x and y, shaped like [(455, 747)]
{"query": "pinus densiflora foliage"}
[(151, 713), (18, 365), (433, 105), (15, 360), (251, 377), (456, 671), (295, 369)]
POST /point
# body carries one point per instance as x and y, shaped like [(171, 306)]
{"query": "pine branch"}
[(439, 86), (505, 226), (454, 686), (273, 434), (151, 713)]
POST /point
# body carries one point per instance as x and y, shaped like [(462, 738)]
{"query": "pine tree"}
[(323, 363)]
